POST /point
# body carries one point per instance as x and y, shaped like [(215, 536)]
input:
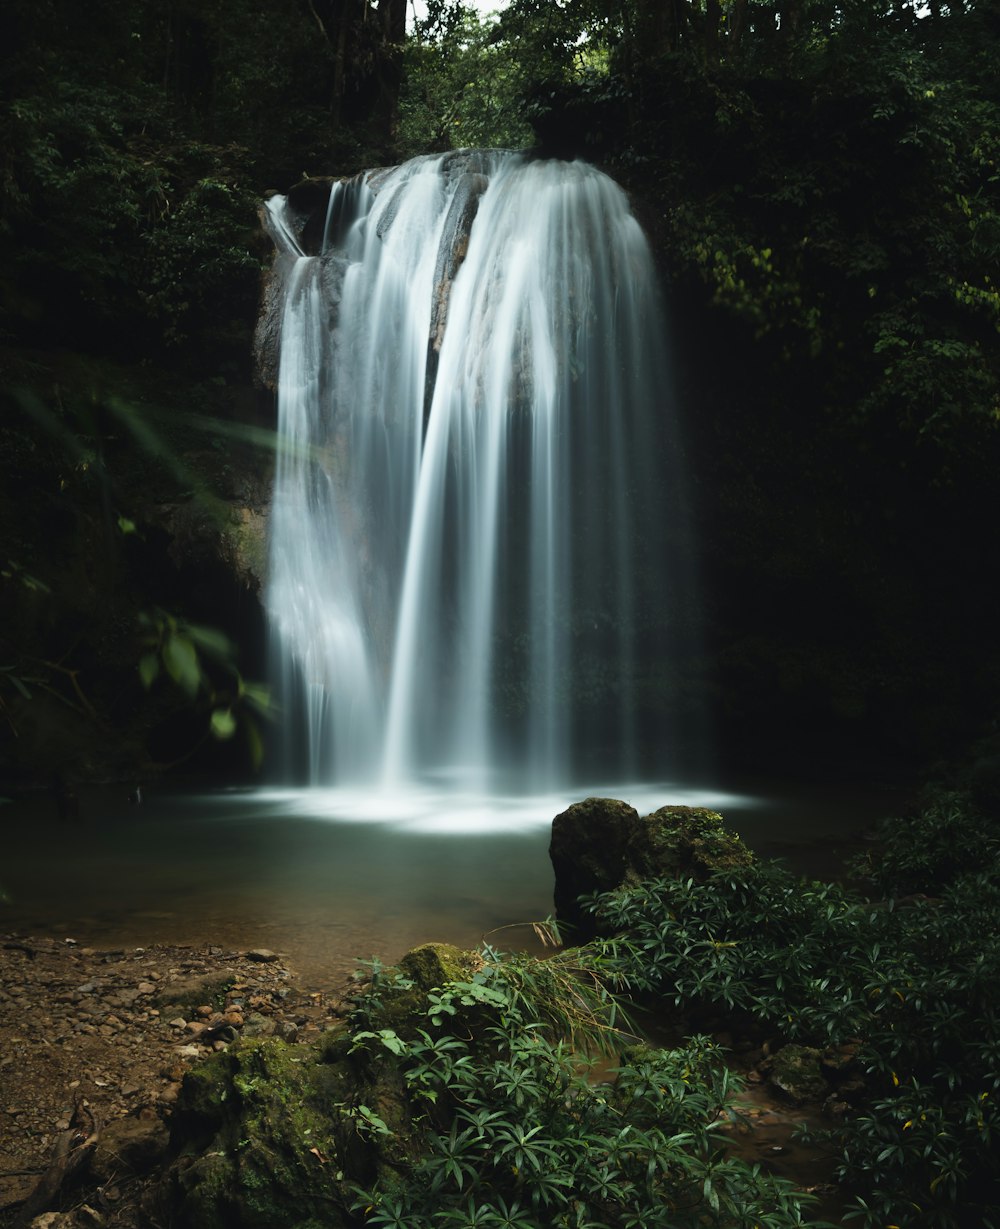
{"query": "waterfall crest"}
[(467, 555)]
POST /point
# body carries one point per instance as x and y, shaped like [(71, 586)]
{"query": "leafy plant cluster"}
[(202, 662), (913, 981), (517, 1132)]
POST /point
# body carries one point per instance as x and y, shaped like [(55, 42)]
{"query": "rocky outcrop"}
[(268, 1135), (602, 843)]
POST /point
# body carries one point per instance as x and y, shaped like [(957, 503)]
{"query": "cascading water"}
[(467, 560)]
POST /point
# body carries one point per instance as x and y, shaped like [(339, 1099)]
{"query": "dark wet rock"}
[(189, 992), (601, 844), (128, 1148), (795, 1071), (262, 955), (588, 850)]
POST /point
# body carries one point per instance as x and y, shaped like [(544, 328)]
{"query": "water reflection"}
[(328, 876)]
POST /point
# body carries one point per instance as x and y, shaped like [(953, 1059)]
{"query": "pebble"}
[(96, 1004)]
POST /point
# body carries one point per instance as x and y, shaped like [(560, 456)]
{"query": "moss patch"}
[(271, 1127), (678, 840)]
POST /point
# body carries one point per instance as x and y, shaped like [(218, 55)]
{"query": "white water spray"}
[(467, 552)]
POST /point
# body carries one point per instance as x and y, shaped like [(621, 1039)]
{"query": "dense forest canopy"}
[(820, 181)]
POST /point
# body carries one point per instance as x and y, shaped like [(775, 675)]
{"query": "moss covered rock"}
[(435, 964), (796, 1073), (589, 853), (601, 843), (685, 841), (264, 1134), (272, 1135)]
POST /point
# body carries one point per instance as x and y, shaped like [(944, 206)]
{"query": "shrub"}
[(517, 1134), (916, 985)]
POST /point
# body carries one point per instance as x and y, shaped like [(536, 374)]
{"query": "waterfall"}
[(468, 572)]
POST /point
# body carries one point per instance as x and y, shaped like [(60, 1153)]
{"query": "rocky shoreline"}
[(93, 1046)]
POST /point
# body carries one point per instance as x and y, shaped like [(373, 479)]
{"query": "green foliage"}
[(947, 836), (916, 985), (513, 1132), (106, 199), (194, 656), (755, 940), (460, 88)]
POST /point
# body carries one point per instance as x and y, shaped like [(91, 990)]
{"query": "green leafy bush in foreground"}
[(918, 984), (516, 1134)]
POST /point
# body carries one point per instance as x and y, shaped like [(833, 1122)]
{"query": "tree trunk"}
[(713, 19), (392, 15), (739, 22)]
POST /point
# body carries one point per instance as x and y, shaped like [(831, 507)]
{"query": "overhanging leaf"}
[(149, 669), (223, 723), (181, 661)]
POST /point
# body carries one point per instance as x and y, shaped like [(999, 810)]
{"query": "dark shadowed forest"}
[(819, 181)]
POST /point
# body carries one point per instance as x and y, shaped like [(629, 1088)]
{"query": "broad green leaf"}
[(223, 723), (149, 669), (181, 661), (258, 696), (211, 641)]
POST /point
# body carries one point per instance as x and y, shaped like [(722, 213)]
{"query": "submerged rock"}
[(602, 843)]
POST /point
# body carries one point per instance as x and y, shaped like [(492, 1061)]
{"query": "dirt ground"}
[(93, 1046)]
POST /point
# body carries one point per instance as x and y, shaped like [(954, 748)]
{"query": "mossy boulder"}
[(796, 1072), (683, 841), (589, 853), (265, 1135), (602, 843), (435, 964), (272, 1135), (432, 966)]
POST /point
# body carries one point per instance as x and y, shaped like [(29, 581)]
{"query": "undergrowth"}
[(518, 1130), (518, 1134), (915, 981)]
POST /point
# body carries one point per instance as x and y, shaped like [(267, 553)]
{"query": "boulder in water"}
[(601, 844)]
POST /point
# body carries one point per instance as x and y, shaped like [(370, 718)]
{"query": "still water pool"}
[(325, 877)]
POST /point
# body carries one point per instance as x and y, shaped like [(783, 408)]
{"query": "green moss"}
[(679, 840), (428, 967), (436, 964), (274, 1124), (796, 1071)]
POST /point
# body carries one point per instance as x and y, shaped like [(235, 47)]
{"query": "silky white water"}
[(468, 578)]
